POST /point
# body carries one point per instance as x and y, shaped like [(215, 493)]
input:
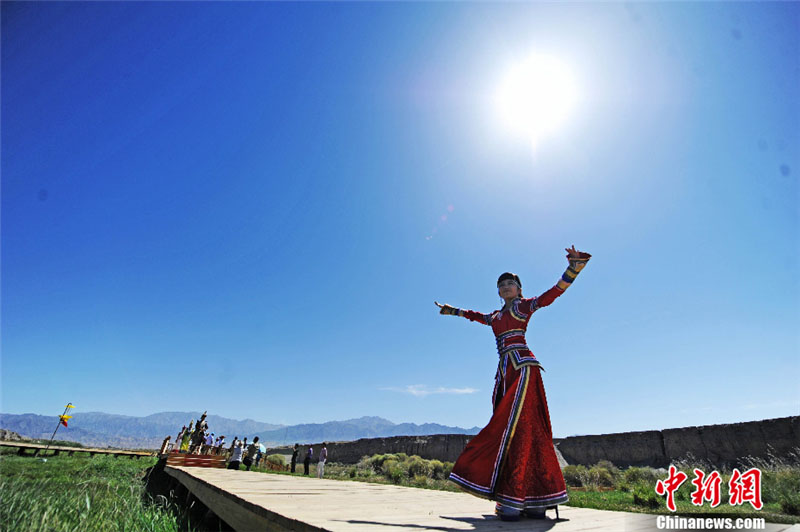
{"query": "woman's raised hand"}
[(446, 309), (577, 259), (574, 254)]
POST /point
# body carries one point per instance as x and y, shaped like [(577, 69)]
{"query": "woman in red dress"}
[(512, 460)]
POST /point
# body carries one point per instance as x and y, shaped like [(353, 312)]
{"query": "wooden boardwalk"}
[(36, 448), (250, 501)]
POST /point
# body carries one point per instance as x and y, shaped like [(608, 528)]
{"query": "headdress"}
[(512, 276)]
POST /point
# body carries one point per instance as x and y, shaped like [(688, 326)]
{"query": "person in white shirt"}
[(208, 444), (236, 456), (323, 457)]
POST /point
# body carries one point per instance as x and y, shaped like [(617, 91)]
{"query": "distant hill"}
[(354, 429), (112, 430), (99, 429)]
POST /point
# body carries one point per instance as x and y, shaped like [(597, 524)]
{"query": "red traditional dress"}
[(512, 460)]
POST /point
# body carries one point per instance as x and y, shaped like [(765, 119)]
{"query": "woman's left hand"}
[(574, 254)]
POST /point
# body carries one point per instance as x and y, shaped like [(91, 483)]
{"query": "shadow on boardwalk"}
[(487, 523)]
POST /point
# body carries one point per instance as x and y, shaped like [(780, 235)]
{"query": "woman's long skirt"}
[(512, 460)]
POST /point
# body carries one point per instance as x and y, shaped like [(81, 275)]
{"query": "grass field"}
[(79, 493)]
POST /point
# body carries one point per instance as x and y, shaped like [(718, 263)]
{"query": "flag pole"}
[(60, 420)]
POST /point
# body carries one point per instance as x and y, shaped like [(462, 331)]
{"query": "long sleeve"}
[(471, 315), (575, 267), (449, 310)]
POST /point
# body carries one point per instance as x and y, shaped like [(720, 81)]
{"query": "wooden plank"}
[(238, 513), (196, 460), (258, 501)]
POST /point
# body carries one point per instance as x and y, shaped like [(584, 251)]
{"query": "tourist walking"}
[(233, 444), (512, 460), (307, 460), (295, 452), (252, 451), (209, 444), (323, 457)]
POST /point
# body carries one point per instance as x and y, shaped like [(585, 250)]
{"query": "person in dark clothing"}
[(295, 452), (252, 452), (309, 455)]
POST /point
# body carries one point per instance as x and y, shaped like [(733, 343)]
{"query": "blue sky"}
[(250, 208)]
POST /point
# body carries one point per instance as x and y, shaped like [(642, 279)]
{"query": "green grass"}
[(624, 501), (79, 493), (632, 490)]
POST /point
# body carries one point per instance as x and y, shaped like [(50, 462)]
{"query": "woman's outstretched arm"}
[(471, 315), (577, 261)]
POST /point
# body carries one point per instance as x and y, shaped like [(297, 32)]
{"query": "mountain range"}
[(98, 429)]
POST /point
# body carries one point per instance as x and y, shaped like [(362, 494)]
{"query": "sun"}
[(536, 96)]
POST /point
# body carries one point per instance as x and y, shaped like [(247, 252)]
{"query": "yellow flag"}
[(70, 406), (64, 419)]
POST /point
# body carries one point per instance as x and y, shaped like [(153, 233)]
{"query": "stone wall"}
[(719, 445), (445, 447)]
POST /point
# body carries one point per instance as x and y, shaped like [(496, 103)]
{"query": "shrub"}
[(364, 468), (388, 465), (447, 469), (374, 462), (606, 464), (378, 460), (778, 482), (437, 469), (637, 475), (393, 470), (790, 503), (782, 485), (645, 497), (600, 476), (420, 481), (575, 475), (276, 459), (418, 467)]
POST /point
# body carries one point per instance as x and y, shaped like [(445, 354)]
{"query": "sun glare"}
[(536, 96)]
